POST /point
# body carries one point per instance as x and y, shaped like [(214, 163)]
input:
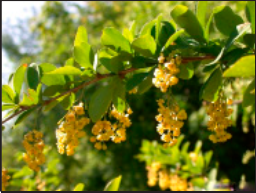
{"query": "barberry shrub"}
[(160, 54)]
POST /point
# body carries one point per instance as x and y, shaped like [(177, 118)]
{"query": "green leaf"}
[(146, 29), (198, 147), (239, 31), (145, 85), (114, 184), (201, 12), (173, 38), (186, 19), (3, 127), (145, 45), (54, 103), (79, 187), (186, 71), (128, 34), (138, 77), (119, 94), (30, 99), (8, 94), (244, 67), (23, 116), (83, 55), (210, 89), (251, 9), (70, 62), (115, 40), (207, 158), (32, 78), (66, 70), (81, 36), (133, 28), (226, 20), (249, 40), (158, 27), (249, 97), (68, 101), (88, 73), (100, 102), (165, 32), (18, 78), (198, 182), (54, 90), (49, 79), (111, 60), (8, 106)]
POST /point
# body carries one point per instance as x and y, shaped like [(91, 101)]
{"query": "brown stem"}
[(98, 78)]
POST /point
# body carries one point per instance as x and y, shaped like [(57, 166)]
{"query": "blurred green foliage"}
[(49, 38)]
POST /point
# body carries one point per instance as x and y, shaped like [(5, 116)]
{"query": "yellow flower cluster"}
[(5, 178), (71, 129), (104, 131), (166, 73), (179, 184), (219, 120), (170, 122), (34, 146), (166, 180), (153, 173)]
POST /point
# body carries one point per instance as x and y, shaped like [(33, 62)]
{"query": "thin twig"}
[(98, 78)]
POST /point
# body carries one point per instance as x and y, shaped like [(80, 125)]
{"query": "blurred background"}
[(35, 32)]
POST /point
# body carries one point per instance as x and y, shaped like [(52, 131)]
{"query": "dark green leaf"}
[(249, 97), (23, 116), (84, 55), (18, 78), (68, 101), (52, 91), (114, 39), (138, 77), (226, 20), (111, 60), (145, 85), (32, 78), (236, 34), (186, 71), (146, 29), (145, 45), (210, 89), (167, 30), (100, 102), (114, 184), (173, 38), (187, 20), (244, 67), (48, 79), (249, 40)]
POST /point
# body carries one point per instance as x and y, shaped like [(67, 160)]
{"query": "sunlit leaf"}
[(114, 184)]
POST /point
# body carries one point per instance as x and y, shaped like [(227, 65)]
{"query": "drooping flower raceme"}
[(170, 120), (219, 120), (34, 146), (165, 75), (104, 131), (71, 129)]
